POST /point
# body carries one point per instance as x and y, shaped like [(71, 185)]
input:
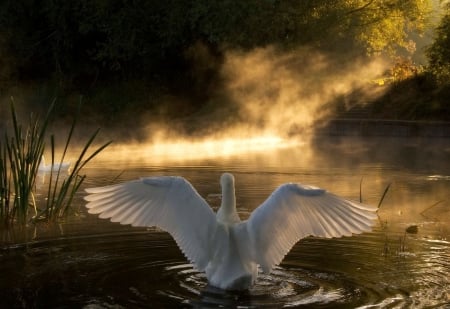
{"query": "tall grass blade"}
[(360, 190), (24, 149), (5, 190), (20, 155), (422, 213), (60, 198), (384, 195)]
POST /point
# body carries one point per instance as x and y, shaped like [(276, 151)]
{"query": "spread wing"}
[(170, 203), (293, 212)]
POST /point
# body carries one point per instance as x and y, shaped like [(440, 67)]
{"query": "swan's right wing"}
[(170, 203), (293, 212)]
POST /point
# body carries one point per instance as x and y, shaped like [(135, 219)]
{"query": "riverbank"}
[(384, 127)]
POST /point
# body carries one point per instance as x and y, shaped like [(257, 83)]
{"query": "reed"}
[(386, 189), (5, 188), (384, 195), (60, 193), (20, 155)]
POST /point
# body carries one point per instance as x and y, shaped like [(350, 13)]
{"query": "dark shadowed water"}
[(404, 262)]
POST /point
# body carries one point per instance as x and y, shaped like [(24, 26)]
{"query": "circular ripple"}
[(140, 269), (283, 287)]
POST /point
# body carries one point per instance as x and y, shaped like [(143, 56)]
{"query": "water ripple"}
[(136, 269)]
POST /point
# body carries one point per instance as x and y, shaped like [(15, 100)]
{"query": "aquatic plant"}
[(20, 155), (5, 192), (60, 195), (384, 195), (386, 189), (422, 213)]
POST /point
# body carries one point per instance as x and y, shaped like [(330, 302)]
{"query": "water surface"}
[(86, 262)]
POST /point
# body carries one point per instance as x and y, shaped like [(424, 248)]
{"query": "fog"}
[(271, 98), (266, 98), (289, 92)]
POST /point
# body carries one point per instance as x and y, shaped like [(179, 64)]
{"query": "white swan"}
[(55, 167), (222, 245)]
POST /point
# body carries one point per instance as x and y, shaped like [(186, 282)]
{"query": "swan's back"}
[(232, 266)]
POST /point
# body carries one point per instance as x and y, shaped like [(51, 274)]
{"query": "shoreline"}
[(383, 127)]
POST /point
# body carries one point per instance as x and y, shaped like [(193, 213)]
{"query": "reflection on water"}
[(91, 263)]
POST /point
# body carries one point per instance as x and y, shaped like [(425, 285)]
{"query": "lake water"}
[(86, 262)]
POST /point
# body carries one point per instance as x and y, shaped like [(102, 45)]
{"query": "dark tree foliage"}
[(439, 52), (84, 40)]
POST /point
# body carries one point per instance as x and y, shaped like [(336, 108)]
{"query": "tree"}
[(385, 26), (439, 52), (138, 37)]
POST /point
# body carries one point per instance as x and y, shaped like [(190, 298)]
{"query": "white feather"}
[(170, 203), (293, 212), (228, 249)]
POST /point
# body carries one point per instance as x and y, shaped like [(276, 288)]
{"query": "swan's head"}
[(227, 211), (227, 180)]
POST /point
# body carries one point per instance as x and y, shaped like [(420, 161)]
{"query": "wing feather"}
[(170, 203), (293, 212)]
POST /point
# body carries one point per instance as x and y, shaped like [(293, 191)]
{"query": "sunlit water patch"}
[(185, 150)]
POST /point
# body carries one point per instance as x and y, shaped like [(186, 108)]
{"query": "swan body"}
[(227, 249), (55, 167)]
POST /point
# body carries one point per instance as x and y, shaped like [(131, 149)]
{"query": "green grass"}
[(20, 155)]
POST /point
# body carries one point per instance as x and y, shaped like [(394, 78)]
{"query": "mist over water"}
[(288, 92), (266, 98), (260, 93)]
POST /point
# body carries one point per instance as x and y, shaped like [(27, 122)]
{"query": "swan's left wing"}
[(293, 212), (170, 203)]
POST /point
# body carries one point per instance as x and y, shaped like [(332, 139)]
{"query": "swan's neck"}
[(227, 212)]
